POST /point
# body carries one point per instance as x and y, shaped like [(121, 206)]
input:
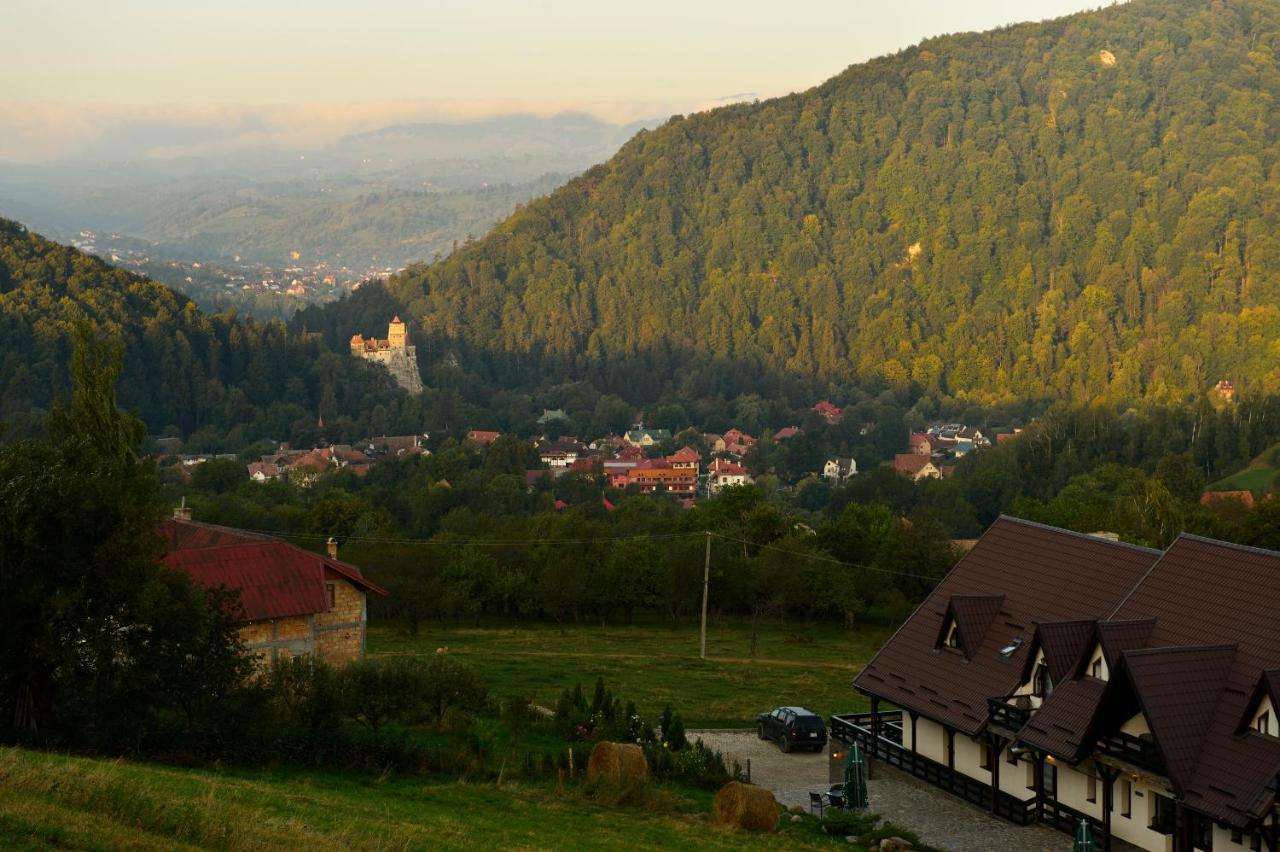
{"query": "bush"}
[(409, 690)]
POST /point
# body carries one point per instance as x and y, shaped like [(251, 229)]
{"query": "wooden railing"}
[(1139, 751), (857, 727), (1010, 714)]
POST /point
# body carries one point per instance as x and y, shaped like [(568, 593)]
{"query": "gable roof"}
[(1064, 724), (1119, 636), (972, 615), (1043, 573), (1178, 689), (911, 462), (1205, 592), (1063, 643), (275, 579)]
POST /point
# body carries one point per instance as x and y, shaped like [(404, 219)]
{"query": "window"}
[(1255, 841), (1203, 833), (1237, 837), (984, 756), (953, 637), (1163, 817), (1011, 757), (948, 748), (1263, 722), (1031, 774), (1042, 684), (1051, 780), (1096, 671), (333, 594), (1091, 784), (1126, 798)]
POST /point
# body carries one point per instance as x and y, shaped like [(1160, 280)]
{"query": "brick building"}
[(295, 603)]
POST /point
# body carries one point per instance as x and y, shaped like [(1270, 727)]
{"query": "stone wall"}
[(339, 633)]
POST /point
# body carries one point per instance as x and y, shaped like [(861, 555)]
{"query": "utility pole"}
[(706, 584)]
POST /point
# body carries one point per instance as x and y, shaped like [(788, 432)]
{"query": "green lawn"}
[(654, 665), (53, 801), (1260, 476)]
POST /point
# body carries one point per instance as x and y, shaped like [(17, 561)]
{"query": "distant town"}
[(262, 290)]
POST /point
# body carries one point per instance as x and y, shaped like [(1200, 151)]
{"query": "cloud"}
[(95, 133)]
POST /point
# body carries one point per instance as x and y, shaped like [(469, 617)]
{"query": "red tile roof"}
[(275, 579), (1210, 498)]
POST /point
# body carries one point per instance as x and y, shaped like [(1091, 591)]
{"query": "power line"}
[(518, 542), (830, 559), (490, 542)]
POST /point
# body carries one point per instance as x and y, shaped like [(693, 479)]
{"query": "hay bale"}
[(745, 806), (614, 763)]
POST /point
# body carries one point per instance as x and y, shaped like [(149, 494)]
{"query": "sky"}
[(71, 70)]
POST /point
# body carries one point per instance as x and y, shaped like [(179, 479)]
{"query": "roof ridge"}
[(1233, 545), (1075, 534)]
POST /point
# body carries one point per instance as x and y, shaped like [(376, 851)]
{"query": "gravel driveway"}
[(940, 819)]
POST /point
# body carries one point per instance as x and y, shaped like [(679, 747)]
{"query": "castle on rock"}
[(395, 352)]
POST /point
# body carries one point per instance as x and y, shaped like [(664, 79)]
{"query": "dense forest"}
[(1082, 208), (230, 381)]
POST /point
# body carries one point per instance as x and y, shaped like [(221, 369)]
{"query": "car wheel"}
[(784, 744), (760, 730)]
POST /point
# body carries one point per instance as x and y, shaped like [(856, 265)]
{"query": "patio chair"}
[(835, 798), (816, 801)]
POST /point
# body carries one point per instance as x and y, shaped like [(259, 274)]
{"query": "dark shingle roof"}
[(1205, 592), (1123, 635), (1178, 689), (1043, 573), (1063, 643), (973, 615), (1062, 726)]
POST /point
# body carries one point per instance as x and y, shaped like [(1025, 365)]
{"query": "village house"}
[(714, 442), (1056, 677), (639, 436), (787, 432), (1240, 499), (293, 603), (722, 474), (264, 471), (650, 478), (918, 442), (483, 438), (916, 466), (737, 442), (839, 470), (685, 458), (831, 413)]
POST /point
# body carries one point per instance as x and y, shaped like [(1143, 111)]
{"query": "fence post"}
[(748, 770)]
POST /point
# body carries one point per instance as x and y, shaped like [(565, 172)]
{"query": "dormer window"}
[(953, 637), (1041, 682), (1263, 723), (1096, 670)]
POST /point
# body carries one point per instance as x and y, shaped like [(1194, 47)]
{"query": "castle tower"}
[(397, 335)]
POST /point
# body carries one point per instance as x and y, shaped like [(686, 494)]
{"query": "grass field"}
[(52, 801), (1260, 476), (655, 665)]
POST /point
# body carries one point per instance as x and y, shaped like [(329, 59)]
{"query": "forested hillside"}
[(184, 370), (1084, 208)]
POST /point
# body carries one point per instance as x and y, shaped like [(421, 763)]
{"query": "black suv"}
[(792, 728)]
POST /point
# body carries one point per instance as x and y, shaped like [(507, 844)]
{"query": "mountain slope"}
[(1079, 208), (240, 380)]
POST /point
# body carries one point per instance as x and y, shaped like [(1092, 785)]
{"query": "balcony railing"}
[(1010, 713), (1138, 751), (887, 747)]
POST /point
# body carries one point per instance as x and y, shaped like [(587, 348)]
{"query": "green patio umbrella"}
[(855, 778), (1084, 839)]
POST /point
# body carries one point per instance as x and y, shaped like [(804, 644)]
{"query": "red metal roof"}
[(275, 579)]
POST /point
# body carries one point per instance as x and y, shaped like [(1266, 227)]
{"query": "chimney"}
[(332, 546), (182, 513)]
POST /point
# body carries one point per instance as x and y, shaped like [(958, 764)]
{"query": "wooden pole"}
[(706, 585)]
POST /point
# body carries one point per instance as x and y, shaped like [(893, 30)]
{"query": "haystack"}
[(614, 763), (745, 806)]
